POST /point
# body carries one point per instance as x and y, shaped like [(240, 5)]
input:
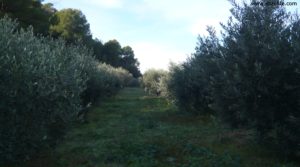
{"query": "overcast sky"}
[(159, 31)]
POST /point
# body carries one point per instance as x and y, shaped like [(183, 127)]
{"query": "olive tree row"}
[(44, 84), (249, 77)]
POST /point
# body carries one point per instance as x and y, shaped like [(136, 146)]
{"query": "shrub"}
[(104, 81), (113, 78), (40, 85), (189, 84), (124, 76), (154, 81), (176, 86), (134, 82)]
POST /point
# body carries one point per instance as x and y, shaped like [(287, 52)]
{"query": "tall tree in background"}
[(115, 55), (97, 46), (112, 51), (129, 62), (72, 25), (29, 12)]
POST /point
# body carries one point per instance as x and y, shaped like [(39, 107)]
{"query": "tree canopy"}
[(29, 12), (111, 52), (129, 62), (72, 25), (114, 54)]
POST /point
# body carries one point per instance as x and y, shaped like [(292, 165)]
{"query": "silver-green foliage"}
[(259, 86), (188, 84), (154, 81), (104, 81), (111, 79), (40, 85), (250, 76)]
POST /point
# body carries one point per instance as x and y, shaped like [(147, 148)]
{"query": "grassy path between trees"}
[(137, 130)]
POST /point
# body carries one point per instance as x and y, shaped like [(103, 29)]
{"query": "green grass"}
[(137, 130)]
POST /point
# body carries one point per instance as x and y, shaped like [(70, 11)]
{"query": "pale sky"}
[(159, 31)]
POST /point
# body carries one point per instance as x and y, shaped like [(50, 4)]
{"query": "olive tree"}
[(40, 85)]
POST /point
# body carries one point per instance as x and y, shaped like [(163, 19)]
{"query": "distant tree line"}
[(72, 26)]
